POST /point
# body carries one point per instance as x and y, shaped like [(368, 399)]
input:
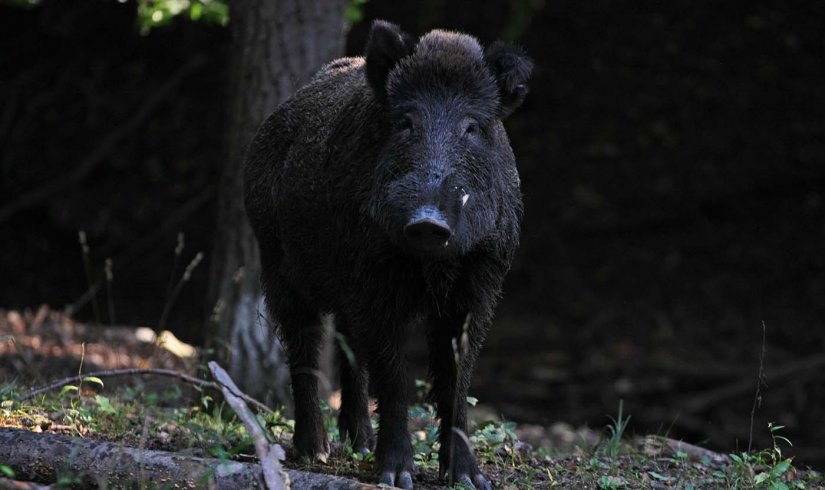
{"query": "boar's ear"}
[(511, 67), (386, 44)]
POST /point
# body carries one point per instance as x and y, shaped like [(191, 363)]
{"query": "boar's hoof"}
[(477, 481), (359, 432), (311, 447), (403, 480), (394, 461), (464, 469)]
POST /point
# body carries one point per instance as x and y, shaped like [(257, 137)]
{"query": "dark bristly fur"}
[(332, 179)]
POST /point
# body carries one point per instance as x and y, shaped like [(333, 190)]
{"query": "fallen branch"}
[(7, 484), (269, 454), (658, 445), (107, 144), (135, 371), (43, 457)]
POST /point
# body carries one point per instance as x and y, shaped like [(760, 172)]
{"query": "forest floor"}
[(154, 413)]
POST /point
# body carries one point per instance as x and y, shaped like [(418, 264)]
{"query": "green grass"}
[(203, 426)]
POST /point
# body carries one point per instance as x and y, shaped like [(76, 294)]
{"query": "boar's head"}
[(445, 176)]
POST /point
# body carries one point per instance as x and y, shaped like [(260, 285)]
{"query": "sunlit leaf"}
[(67, 389), (93, 379)]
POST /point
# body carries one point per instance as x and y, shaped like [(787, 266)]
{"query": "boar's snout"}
[(427, 230)]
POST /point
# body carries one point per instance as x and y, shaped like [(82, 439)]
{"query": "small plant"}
[(763, 469), (611, 482), (611, 447)]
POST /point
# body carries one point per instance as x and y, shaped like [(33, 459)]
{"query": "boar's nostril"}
[(427, 234)]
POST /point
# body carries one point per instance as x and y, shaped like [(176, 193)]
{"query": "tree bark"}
[(45, 457), (277, 45)]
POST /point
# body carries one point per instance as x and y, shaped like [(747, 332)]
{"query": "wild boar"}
[(385, 192)]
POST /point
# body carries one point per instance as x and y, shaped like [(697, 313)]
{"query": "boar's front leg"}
[(452, 358), (388, 376), (301, 334), (354, 419)]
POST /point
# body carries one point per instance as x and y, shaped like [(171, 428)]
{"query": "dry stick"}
[(107, 269), (760, 380), (107, 144), (174, 219), (171, 299), (662, 444), (70, 310), (270, 455), (84, 248), (178, 250), (80, 366), (135, 371), (139, 247)]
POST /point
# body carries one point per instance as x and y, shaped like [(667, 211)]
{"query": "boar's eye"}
[(470, 128), (404, 125)]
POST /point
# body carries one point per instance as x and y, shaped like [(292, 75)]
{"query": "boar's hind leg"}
[(301, 333), (450, 384), (353, 420), (388, 376)]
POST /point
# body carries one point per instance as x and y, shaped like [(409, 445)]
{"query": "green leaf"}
[(103, 405), (781, 468), (195, 11), (354, 12), (6, 471), (761, 478), (658, 476), (67, 389), (93, 379)]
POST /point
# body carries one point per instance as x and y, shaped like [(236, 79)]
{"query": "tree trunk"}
[(277, 45)]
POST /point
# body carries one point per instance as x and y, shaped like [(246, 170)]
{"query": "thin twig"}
[(178, 251), (110, 276), (87, 266), (135, 250), (136, 371), (174, 219), (760, 380), (187, 273), (114, 373)]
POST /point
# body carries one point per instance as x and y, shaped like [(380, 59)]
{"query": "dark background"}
[(673, 166)]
